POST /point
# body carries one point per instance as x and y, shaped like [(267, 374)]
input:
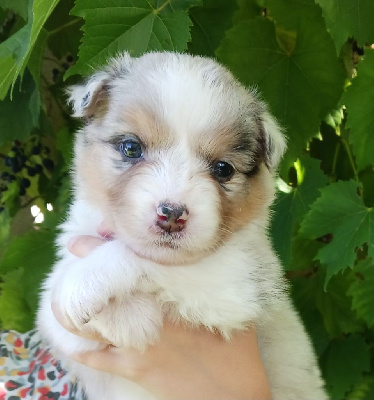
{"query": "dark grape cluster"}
[(23, 161), (63, 65)]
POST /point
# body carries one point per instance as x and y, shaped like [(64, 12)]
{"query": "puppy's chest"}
[(196, 295)]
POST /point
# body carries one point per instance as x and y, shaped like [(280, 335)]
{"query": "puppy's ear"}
[(87, 98), (91, 97), (272, 140)]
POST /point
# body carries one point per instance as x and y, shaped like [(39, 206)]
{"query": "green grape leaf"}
[(25, 102), (362, 291), (333, 305), (209, 25), (358, 99), (344, 364), (304, 290), (15, 313), (8, 67), (329, 148), (4, 228), (303, 252), (296, 72), (32, 252), (17, 49), (364, 389), (39, 11), (111, 27), (18, 6), (287, 12), (36, 57), (64, 144), (64, 30), (248, 9), (10, 197), (349, 18), (291, 207), (340, 211)]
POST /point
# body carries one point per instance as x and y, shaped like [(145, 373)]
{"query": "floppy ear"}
[(87, 98), (273, 141), (90, 97)]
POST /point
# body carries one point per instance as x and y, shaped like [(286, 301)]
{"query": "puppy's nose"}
[(172, 217)]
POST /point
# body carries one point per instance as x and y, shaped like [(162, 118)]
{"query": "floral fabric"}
[(28, 370)]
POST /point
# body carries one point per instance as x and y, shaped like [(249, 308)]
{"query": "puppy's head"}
[(176, 154)]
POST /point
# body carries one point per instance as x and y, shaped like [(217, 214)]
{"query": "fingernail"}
[(104, 231)]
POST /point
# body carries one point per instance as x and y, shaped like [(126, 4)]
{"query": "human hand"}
[(185, 363)]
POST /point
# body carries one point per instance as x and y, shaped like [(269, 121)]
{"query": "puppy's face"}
[(175, 153)]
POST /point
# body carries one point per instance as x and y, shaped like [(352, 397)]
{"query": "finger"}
[(105, 231), (83, 245), (126, 362), (65, 321)]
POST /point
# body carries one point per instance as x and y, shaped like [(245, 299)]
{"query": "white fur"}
[(224, 278)]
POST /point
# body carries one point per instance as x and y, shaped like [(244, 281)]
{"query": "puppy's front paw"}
[(133, 321), (80, 301), (82, 291), (83, 287)]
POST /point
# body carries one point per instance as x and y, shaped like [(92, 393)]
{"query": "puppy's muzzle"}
[(172, 217)]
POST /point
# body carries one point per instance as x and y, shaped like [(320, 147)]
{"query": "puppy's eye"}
[(131, 149), (222, 171)]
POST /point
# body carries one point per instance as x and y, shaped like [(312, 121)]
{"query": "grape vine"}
[(313, 63)]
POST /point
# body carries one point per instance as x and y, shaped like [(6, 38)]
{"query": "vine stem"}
[(30, 201), (335, 160), (352, 162), (348, 150), (62, 27), (157, 10)]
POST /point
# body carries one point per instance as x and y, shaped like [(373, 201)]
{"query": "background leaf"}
[(19, 46), (111, 28), (26, 102), (209, 25), (345, 363), (358, 99), (28, 258), (361, 291), (349, 18), (7, 71), (252, 51), (18, 6), (291, 207), (287, 13), (340, 211), (15, 313), (38, 14)]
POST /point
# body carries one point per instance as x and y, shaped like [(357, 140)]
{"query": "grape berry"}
[(22, 162)]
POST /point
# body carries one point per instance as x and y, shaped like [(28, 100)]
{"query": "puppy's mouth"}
[(166, 249), (166, 238), (169, 240)]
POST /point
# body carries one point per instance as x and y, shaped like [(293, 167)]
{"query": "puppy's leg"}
[(98, 292), (82, 287), (131, 321), (288, 356)]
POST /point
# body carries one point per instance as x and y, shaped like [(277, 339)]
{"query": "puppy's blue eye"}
[(131, 149), (222, 171)]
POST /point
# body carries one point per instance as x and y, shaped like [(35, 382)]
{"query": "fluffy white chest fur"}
[(178, 159)]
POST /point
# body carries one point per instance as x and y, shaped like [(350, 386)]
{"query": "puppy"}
[(179, 160)]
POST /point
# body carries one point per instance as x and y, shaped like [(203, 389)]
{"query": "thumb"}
[(81, 246)]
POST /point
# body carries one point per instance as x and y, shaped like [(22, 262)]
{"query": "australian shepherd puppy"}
[(179, 159)]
